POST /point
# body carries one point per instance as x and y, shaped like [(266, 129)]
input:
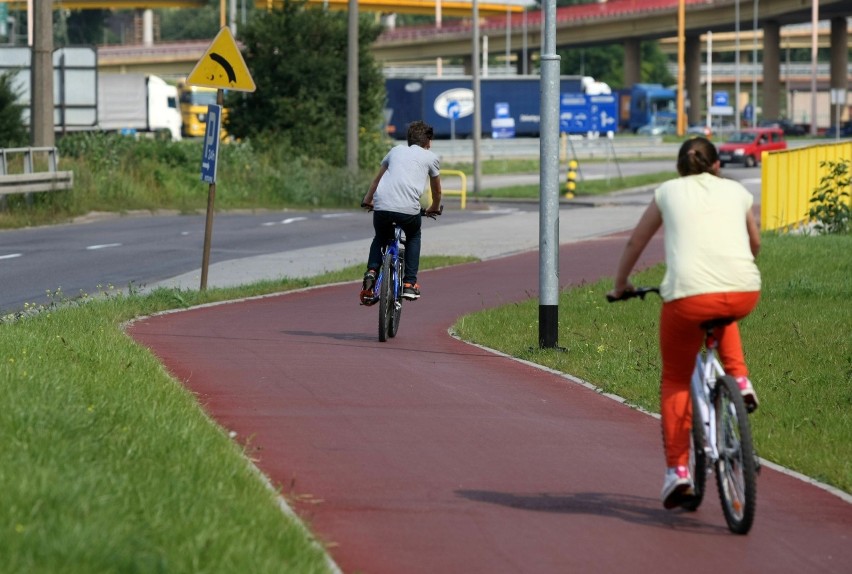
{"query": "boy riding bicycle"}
[(394, 197)]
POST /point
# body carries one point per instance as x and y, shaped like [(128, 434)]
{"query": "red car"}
[(747, 146)]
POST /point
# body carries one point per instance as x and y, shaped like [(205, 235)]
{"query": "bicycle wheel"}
[(735, 469), (397, 296), (385, 299), (697, 459)]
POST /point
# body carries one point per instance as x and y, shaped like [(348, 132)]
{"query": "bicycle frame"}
[(392, 250), (707, 370)]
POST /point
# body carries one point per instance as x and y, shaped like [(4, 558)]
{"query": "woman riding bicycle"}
[(394, 197), (711, 240)]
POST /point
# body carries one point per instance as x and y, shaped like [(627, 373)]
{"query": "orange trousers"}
[(680, 340)]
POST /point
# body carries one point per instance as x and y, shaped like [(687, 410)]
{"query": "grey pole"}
[(477, 113), (352, 90), (548, 309), (41, 88)]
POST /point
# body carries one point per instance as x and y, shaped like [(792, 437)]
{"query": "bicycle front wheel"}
[(735, 469), (385, 299), (397, 296)]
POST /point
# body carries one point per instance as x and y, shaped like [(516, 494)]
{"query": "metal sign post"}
[(209, 161), (221, 67)]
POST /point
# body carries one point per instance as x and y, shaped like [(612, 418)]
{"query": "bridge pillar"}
[(527, 66), (692, 78), (632, 61), (771, 70), (467, 64), (839, 63)]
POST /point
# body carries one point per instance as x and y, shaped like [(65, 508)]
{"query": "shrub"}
[(830, 200)]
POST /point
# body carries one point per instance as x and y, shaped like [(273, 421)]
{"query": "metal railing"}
[(30, 179)]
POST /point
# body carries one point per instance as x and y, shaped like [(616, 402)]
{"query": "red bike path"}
[(426, 454)]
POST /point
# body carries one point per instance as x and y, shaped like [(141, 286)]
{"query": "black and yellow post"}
[(571, 179)]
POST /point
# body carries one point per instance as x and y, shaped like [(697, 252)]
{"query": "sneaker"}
[(366, 295), (747, 391), (410, 291), (677, 487)]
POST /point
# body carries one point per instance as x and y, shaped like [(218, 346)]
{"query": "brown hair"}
[(697, 155), (419, 133)]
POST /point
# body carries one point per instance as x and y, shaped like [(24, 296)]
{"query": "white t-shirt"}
[(707, 243), (406, 178)]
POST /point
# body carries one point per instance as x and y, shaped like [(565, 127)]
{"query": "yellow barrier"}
[(789, 178), (462, 192)]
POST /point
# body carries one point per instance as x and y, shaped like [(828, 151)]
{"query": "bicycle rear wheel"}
[(385, 298), (397, 296), (735, 469), (697, 459)]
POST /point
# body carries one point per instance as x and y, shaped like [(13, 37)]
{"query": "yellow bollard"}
[(571, 179)]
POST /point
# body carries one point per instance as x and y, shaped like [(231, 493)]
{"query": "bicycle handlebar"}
[(637, 292)]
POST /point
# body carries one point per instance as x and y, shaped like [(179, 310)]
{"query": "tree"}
[(606, 63), (13, 132), (297, 57)]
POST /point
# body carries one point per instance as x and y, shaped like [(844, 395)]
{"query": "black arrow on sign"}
[(232, 77)]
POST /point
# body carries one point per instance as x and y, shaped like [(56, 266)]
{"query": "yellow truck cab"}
[(193, 109)]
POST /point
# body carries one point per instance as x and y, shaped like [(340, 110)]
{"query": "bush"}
[(830, 201), (13, 132)]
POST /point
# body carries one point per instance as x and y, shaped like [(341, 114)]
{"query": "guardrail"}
[(788, 181), (462, 191), (31, 181)]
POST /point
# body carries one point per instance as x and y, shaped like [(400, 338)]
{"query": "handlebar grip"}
[(637, 292)]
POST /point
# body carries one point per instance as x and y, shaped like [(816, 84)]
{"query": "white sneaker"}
[(747, 391), (677, 487)]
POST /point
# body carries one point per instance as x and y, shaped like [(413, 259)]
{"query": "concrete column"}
[(632, 62), (692, 78), (527, 67), (839, 62), (467, 63), (772, 70), (41, 87)]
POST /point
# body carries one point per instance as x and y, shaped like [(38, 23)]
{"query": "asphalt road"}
[(145, 250)]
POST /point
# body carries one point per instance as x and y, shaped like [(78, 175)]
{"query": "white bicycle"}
[(721, 434)]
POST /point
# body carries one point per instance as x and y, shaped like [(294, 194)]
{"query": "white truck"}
[(133, 103)]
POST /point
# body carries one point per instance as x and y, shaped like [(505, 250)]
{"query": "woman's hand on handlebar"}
[(367, 206), (619, 291)]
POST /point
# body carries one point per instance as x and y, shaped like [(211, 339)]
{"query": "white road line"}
[(10, 256), (102, 246), (334, 215), (293, 220)]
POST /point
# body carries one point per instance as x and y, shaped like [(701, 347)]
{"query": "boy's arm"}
[(368, 199), (435, 185)]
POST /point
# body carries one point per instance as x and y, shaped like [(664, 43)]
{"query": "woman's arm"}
[(753, 233), (648, 225)]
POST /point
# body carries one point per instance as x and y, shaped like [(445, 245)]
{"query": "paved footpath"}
[(427, 454)]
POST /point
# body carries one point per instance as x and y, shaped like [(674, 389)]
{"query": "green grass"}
[(584, 188), (109, 465), (797, 344)]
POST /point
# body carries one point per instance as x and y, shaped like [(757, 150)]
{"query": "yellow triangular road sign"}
[(222, 66)]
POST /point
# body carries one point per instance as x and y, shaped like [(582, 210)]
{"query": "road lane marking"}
[(102, 246), (10, 256), (333, 215)]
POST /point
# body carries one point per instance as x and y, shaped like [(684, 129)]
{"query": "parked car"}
[(789, 128), (718, 129), (845, 131), (658, 127), (747, 147)]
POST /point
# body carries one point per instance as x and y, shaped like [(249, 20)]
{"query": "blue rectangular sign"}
[(211, 143), (603, 110), (573, 113)]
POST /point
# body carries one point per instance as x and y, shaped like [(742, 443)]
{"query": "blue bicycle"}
[(387, 290)]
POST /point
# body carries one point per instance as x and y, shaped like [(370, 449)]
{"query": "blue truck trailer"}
[(643, 104), (510, 105)]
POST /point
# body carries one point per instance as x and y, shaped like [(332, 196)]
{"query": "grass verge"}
[(584, 188), (109, 465), (797, 345)]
